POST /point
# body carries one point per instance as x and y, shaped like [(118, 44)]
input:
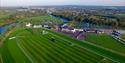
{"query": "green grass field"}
[(119, 15), (36, 46), (42, 18), (105, 41)]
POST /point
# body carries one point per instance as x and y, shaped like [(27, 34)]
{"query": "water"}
[(4, 27), (64, 19)]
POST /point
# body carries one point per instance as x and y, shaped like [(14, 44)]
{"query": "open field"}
[(119, 15), (36, 46), (26, 46), (42, 18), (105, 41)]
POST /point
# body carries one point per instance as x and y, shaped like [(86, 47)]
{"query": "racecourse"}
[(46, 46)]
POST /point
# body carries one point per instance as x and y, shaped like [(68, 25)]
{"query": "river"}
[(5, 27), (63, 19)]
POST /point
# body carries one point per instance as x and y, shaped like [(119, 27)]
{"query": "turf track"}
[(35, 47)]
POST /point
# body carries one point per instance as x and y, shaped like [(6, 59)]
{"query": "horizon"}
[(62, 5), (17, 3)]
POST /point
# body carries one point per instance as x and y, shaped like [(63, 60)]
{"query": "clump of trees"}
[(113, 21)]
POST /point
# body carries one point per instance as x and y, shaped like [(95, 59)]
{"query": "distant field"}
[(36, 46), (43, 18), (119, 14), (105, 41), (4, 16)]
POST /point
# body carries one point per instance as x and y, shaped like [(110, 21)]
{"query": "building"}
[(74, 30), (28, 25), (90, 30), (45, 26), (37, 26), (99, 31)]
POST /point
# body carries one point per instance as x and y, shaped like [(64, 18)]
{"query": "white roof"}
[(37, 26), (28, 25), (46, 26)]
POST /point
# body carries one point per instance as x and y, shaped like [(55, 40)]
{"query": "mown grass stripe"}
[(72, 51), (18, 55), (35, 57), (44, 51), (23, 50), (58, 39), (81, 56), (67, 52), (96, 49), (48, 42), (34, 48), (42, 57), (7, 58), (50, 50), (47, 54), (48, 45)]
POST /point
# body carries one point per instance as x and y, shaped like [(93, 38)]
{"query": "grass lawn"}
[(36, 46), (105, 41)]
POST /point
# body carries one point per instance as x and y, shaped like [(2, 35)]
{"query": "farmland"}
[(35, 46)]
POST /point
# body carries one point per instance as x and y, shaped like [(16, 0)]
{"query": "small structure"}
[(37, 26), (28, 25), (99, 31), (81, 36), (75, 30), (45, 26), (67, 29), (108, 30), (12, 38), (58, 27), (90, 30)]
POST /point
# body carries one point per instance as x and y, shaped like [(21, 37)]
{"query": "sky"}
[(61, 2)]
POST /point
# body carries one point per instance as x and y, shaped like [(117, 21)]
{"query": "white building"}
[(28, 25), (67, 30), (45, 26), (77, 30), (37, 26)]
